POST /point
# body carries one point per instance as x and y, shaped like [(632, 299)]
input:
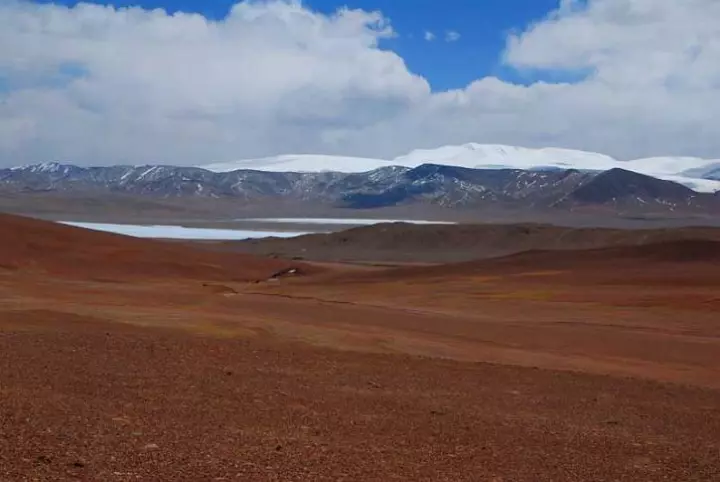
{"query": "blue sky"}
[(483, 26), (626, 78)]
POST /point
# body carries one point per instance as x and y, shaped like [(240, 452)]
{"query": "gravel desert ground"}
[(126, 359)]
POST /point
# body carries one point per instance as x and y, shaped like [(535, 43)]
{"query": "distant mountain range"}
[(701, 175), (614, 190)]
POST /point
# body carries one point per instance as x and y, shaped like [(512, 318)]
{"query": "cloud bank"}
[(100, 85)]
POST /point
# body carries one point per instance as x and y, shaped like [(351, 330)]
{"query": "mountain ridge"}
[(448, 186), (691, 171)]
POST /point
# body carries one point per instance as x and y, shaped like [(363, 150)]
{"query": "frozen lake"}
[(243, 232), (182, 232), (340, 221)]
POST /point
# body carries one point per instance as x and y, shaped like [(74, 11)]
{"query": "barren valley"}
[(130, 359)]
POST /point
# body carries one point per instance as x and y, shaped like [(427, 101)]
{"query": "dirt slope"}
[(462, 242), (691, 258), (43, 246), (648, 311)]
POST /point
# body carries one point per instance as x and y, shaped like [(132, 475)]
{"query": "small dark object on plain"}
[(286, 272)]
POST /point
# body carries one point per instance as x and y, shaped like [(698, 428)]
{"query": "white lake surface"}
[(341, 221), (182, 232)]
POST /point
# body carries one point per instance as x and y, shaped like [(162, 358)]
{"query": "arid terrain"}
[(392, 243), (127, 359)]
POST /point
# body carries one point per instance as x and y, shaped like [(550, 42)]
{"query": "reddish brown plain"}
[(124, 359)]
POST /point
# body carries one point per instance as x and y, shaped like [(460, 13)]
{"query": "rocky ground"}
[(88, 402)]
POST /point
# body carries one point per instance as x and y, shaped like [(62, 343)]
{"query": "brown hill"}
[(401, 242), (612, 258), (43, 246), (680, 263)]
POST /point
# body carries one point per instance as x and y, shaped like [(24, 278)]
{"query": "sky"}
[(445, 62), (190, 82)]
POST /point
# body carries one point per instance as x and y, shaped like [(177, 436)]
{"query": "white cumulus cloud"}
[(429, 36), (98, 85)]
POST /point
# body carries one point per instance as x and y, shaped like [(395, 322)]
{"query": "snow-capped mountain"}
[(690, 171), (491, 156), (614, 190), (463, 176), (48, 168)]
